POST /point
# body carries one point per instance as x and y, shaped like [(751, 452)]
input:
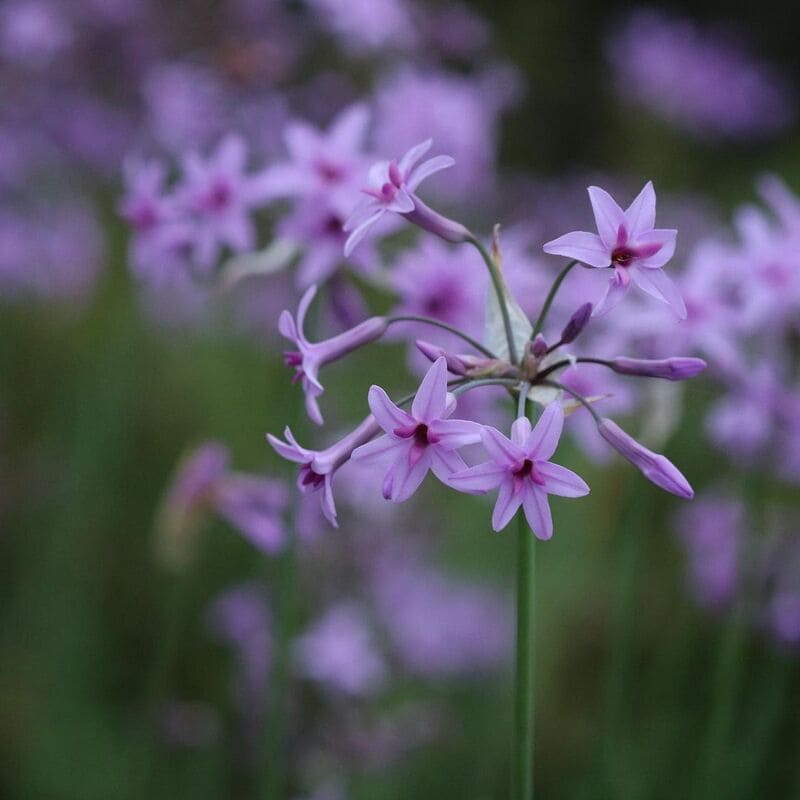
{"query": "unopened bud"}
[(672, 369), (538, 346), (577, 322)]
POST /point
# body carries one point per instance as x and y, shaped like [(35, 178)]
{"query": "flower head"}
[(628, 242), (311, 356), (519, 468), (422, 440), (392, 187), (317, 467)]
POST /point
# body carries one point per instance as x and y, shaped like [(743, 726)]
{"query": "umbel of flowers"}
[(422, 432)]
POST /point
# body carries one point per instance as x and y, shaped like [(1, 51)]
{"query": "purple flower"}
[(321, 165), (656, 468), (219, 197), (317, 467), (254, 506), (712, 531), (520, 470), (628, 242), (310, 357), (392, 187), (367, 24), (422, 440), (339, 651)]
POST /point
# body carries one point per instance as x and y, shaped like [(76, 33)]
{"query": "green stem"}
[(498, 283), (273, 781), (444, 326), (537, 328), (522, 776)]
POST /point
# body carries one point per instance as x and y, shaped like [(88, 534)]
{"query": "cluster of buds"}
[(419, 434)]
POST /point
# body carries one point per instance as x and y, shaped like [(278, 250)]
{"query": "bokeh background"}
[(154, 643)]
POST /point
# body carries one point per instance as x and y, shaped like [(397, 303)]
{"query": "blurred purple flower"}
[(339, 652), (697, 78), (424, 440), (255, 507), (366, 25), (33, 33), (712, 531), (628, 242), (519, 468)]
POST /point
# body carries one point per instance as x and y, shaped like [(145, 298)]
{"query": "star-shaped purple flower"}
[(311, 356), (520, 470), (628, 242), (391, 188), (420, 441)]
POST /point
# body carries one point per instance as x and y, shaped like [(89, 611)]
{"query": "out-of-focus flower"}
[(371, 25), (322, 165), (310, 357), (220, 196), (628, 242), (33, 33), (699, 79), (440, 625), (712, 531), (317, 467), (676, 368), (203, 484), (519, 468), (420, 441), (438, 98), (392, 187), (338, 651)]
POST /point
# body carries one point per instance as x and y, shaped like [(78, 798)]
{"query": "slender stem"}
[(579, 397), (568, 362), (470, 385), (498, 283), (522, 776), (537, 328), (444, 326)]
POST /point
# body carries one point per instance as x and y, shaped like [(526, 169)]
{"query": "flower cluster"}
[(420, 433)]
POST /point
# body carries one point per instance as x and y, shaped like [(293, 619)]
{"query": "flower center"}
[(310, 480), (293, 358), (527, 471), (218, 197), (143, 217), (623, 255), (330, 173)]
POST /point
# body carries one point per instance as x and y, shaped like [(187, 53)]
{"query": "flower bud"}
[(656, 468), (673, 369), (455, 364), (538, 346), (577, 322)]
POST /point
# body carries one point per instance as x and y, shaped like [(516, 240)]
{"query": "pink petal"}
[(302, 141), (455, 433), (375, 449), (501, 449), (537, 512), (431, 399), (607, 215), (302, 309), (585, 247), (378, 174), (348, 129), (663, 236), (361, 231), (232, 153), (561, 481), (444, 463), (288, 451), (428, 168), (326, 502), (641, 213), (279, 180), (363, 211), (406, 478), (520, 431), (478, 479), (414, 155), (312, 406), (615, 291), (388, 415), (544, 438), (286, 326), (506, 506), (656, 283), (403, 202)]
